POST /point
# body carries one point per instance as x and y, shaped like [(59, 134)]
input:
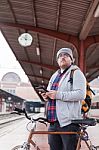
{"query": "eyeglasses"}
[(63, 55)]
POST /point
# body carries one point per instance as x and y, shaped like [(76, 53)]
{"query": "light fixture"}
[(25, 39), (38, 51), (9, 98), (87, 73), (42, 81), (41, 71), (96, 14)]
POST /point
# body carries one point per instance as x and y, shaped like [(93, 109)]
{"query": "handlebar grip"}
[(18, 110), (22, 111)]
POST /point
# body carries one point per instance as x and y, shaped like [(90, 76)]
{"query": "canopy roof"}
[(10, 97), (53, 24)]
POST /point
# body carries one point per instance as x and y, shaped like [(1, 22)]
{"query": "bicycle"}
[(82, 134)]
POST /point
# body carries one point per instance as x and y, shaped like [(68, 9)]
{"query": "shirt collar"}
[(62, 71)]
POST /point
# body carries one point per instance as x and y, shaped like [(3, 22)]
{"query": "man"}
[(64, 101)]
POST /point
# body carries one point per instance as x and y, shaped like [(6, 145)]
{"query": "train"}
[(33, 107)]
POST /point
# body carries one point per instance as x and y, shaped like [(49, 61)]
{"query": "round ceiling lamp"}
[(25, 39)]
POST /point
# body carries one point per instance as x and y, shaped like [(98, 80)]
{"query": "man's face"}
[(64, 60)]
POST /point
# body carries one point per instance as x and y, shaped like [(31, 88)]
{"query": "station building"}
[(14, 92)]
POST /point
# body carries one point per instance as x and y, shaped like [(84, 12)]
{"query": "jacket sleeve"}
[(78, 91)]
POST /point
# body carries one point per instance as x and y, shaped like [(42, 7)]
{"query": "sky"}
[(8, 62)]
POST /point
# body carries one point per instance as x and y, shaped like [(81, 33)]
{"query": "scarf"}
[(51, 107)]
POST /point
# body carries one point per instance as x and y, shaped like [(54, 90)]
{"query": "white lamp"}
[(38, 51), (9, 98), (41, 71), (42, 81), (96, 14), (25, 39)]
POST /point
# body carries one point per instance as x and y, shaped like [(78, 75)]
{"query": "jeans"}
[(63, 141)]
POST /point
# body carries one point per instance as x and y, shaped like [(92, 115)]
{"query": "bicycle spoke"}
[(19, 147), (97, 147)]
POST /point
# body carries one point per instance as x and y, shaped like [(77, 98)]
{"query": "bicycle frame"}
[(30, 141), (81, 134)]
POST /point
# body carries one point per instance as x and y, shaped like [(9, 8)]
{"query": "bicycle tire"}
[(97, 147), (18, 147), (94, 147)]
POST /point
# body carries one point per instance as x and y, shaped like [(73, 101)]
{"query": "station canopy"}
[(53, 24), (8, 97)]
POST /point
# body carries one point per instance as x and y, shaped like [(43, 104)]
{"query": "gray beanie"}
[(65, 50)]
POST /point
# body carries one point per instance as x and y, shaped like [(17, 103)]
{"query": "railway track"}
[(9, 122), (7, 115), (8, 118)]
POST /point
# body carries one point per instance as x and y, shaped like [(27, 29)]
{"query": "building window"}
[(12, 91)]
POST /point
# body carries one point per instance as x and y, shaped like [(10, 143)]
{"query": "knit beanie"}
[(65, 50)]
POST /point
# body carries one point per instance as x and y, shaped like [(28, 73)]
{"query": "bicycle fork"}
[(30, 141)]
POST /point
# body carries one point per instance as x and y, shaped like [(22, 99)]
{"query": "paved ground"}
[(13, 134)]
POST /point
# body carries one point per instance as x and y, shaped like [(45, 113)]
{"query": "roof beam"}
[(41, 77), (35, 24), (14, 16), (58, 14), (53, 51), (92, 52), (51, 67), (89, 21), (92, 75), (93, 67), (51, 33), (36, 29), (57, 25), (91, 40), (37, 35)]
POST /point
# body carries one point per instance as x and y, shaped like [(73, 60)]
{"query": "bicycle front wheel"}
[(18, 147), (94, 147), (97, 147)]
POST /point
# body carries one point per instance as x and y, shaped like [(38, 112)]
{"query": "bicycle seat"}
[(87, 121)]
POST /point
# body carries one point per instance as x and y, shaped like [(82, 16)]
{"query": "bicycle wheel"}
[(97, 147), (94, 147), (22, 147), (18, 147)]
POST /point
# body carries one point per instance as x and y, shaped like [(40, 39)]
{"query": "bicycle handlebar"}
[(87, 121), (22, 111), (40, 119), (19, 110)]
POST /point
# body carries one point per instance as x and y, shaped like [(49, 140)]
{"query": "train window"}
[(95, 105)]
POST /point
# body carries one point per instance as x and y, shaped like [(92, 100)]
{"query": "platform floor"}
[(41, 140)]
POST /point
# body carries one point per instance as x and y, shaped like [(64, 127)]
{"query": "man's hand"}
[(51, 94)]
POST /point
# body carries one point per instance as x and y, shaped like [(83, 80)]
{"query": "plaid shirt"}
[(51, 107)]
